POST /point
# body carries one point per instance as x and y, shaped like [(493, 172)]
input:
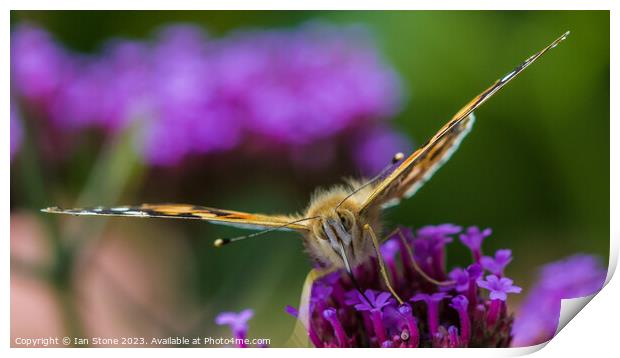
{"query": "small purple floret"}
[(331, 315), (376, 298), (413, 339), (439, 235), (473, 239), (497, 264), (432, 306), (460, 278), (460, 304), (498, 287)]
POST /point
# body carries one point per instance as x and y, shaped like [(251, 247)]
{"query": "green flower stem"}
[(37, 197), (117, 166)]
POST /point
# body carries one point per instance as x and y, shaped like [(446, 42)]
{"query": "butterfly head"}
[(335, 238)]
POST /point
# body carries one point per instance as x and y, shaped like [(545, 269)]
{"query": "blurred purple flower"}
[(238, 323), (38, 63), (373, 150), (126, 98), (572, 277), (190, 116), (16, 130), (195, 95), (309, 83)]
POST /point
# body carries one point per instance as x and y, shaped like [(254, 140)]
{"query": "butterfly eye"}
[(345, 220)]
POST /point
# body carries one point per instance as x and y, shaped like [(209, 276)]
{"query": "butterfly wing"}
[(414, 171), (299, 336), (186, 211)]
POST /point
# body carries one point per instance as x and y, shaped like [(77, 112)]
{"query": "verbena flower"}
[(193, 95), (572, 277), (238, 323), (452, 313)]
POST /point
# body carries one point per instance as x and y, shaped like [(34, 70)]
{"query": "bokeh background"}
[(535, 168)]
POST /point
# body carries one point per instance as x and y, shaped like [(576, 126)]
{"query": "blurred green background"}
[(535, 168)]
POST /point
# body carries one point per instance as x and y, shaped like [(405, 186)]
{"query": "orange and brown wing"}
[(414, 171), (186, 211)]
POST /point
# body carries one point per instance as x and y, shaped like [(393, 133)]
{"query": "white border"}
[(313, 5), (593, 331)]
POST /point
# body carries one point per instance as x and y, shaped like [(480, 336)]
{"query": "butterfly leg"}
[(386, 237), (384, 274), (417, 267)]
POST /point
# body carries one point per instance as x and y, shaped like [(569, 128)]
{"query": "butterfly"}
[(340, 225)]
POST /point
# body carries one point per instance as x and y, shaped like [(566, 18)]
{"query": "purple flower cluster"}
[(467, 309), (575, 276), (191, 94), (457, 308)]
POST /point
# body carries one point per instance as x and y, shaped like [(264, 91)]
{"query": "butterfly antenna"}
[(224, 241), (395, 159)]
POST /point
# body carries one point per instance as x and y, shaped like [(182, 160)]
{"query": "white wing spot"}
[(135, 213), (508, 76)]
